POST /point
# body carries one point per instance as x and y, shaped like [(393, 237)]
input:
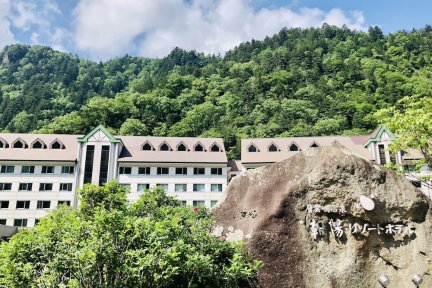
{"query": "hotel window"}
[(104, 161), (125, 170), (180, 187), (199, 171), (314, 145), (164, 147), (144, 170), (215, 148), (18, 144), (38, 145), (65, 186), (199, 148), (216, 187), (45, 186), (88, 168), (37, 220), (147, 147), (27, 169), (126, 186), (5, 186), (23, 205), (25, 186), (43, 204), (67, 169), (143, 187), (382, 156), (2, 221), (181, 170), (183, 203), (181, 147), (213, 203), (164, 187), (198, 187), (293, 147), (216, 171), (20, 223), (162, 170), (4, 204), (252, 148), (198, 203), (273, 148), (7, 169), (56, 145), (64, 202), (47, 169)]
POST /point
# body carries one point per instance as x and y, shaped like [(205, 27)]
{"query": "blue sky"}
[(102, 29)]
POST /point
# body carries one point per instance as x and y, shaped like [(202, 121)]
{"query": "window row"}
[(29, 187), (181, 147), (166, 171), (37, 144), (274, 148), (30, 169), (25, 204), (180, 187), (199, 203)]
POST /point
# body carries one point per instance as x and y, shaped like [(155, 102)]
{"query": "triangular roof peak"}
[(377, 135), (95, 131)]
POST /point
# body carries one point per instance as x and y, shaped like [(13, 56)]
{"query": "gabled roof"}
[(377, 133), (101, 128)]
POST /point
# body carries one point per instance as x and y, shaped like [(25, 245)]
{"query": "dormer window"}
[(57, 145), (273, 148), (293, 147), (314, 145), (182, 147), (199, 148), (19, 144), (38, 144), (147, 147), (252, 148), (164, 147), (215, 148)]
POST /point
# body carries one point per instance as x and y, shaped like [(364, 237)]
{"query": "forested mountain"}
[(298, 82)]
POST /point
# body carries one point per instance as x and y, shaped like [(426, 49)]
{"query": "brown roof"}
[(234, 165), (69, 153), (353, 143), (132, 150), (412, 154)]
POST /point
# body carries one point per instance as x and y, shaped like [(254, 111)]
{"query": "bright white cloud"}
[(6, 36), (109, 28)]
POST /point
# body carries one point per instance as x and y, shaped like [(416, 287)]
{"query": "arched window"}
[(57, 145), (19, 144), (38, 144), (215, 148), (182, 147), (199, 148), (252, 148), (273, 148), (164, 147), (2, 144), (314, 145), (293, 147), (147, 147)]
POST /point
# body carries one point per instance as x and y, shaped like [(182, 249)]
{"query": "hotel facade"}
[(38, 172)]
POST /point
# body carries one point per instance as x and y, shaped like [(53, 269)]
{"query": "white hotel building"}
[(40, 171)]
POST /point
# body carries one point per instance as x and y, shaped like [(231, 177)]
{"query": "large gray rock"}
[(267, 207)]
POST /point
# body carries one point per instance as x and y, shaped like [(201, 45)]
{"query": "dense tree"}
[(315, 81), (153, 242)]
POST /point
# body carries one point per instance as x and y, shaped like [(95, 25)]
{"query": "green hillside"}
[(298, 82)]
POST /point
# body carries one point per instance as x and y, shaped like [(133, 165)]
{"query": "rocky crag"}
[(303, 218)]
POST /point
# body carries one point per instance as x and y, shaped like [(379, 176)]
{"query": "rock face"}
[(276, 209)]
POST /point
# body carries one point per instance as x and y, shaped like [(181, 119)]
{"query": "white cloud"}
[(6, 35), (109, 28)]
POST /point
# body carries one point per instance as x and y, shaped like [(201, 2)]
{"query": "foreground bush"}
[(154, 242)]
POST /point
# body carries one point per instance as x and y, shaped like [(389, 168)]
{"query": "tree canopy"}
[(153, 242)]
